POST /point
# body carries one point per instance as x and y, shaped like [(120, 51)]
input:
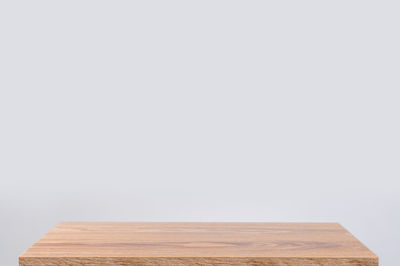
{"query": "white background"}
[(199, 111)]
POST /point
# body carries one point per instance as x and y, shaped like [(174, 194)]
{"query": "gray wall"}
[(199, 111)]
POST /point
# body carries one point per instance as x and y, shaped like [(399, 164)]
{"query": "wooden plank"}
[(198, 243)]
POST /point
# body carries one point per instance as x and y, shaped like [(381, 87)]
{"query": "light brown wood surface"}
[(198, 244)]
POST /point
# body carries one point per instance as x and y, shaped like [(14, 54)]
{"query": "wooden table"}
[(198, 244)]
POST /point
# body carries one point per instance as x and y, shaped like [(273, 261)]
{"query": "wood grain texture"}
[(198, 244)]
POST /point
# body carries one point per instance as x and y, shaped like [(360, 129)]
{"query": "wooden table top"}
[(198, 243)]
